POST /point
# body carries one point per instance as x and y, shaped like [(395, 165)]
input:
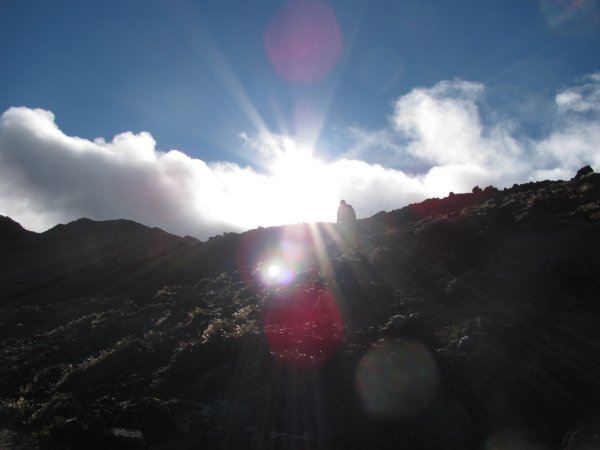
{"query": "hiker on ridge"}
[(346, 214), (346, 219)]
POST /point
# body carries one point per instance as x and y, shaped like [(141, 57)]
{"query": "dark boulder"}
[(583, 172)]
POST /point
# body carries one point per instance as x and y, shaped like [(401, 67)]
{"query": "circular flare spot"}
[(277, 272), (572, 17), (303, 325), (397, 379), (273, 271), (303, 41)]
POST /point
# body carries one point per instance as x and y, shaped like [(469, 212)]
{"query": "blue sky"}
[(390, 103)]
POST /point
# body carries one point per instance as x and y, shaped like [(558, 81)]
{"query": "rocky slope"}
[(460, 323)]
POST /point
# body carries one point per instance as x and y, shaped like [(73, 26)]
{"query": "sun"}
[(287, 183), (303, 186)]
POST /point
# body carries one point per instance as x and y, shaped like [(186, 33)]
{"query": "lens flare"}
[(276, 273), (278, 256), (303, 325), (572, 17), (397, 380), (303, 41), (273, 271)]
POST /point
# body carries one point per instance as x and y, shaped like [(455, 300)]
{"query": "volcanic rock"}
[(465, 322)]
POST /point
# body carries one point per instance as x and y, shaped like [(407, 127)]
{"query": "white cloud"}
[(55, 178), (575, 141), (582, 98), (444, 128), (47, 177), (575, 144)]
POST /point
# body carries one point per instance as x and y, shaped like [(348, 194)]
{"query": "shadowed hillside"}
[(466, 322), (82, 258)]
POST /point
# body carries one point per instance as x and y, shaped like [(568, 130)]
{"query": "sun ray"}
[(320, 248)]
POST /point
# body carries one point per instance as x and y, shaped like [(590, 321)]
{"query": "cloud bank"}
[(48, 177)]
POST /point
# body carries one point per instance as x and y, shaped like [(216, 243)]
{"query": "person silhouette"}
[(346, 214), (346, 219)]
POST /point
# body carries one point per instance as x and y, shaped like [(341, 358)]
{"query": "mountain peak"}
[(11, 231)]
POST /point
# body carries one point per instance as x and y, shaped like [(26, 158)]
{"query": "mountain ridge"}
[(460, 323), (56, 259), (110, 247)]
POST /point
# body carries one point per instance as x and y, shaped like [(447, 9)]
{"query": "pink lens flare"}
[(303, 41), (303, 325), (276, 272), (572, 17)]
